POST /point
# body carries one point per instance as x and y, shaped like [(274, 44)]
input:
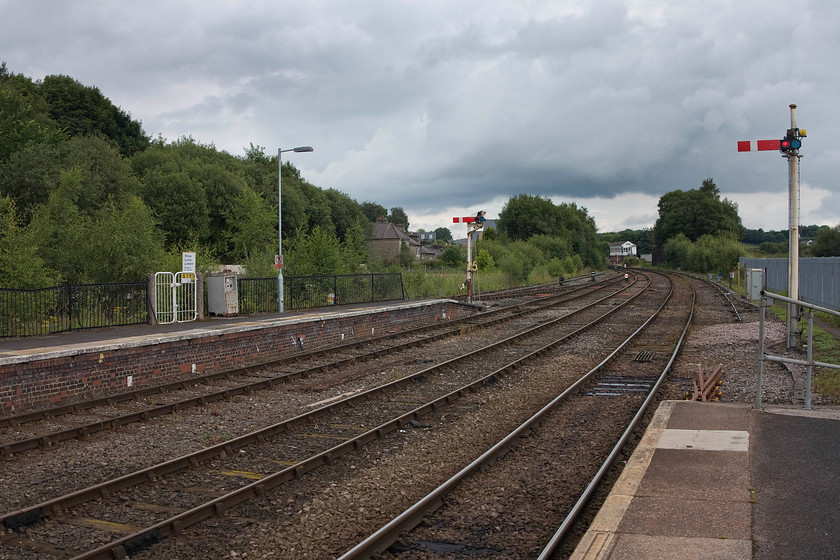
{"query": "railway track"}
[(45, 428), (240, 464), (318, 506), (538, 495)]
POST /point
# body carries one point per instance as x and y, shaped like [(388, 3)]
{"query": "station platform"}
[(95, 340), (725, 482)]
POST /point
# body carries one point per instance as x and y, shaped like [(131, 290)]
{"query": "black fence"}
[(71, 307), (87, 306), (259, 295)]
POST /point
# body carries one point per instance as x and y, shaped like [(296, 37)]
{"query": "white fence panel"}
[(176, 297)]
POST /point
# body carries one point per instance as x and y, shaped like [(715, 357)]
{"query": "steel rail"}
[(50, 508), (576, 510), (718, 287), (379, 541), (126, 546), (7, 449), (55, 412)]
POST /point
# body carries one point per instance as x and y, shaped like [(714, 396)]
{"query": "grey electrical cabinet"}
[(754, 283), (223, 295)]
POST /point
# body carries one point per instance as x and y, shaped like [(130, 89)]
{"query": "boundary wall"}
[(819, 278), (62, 376)]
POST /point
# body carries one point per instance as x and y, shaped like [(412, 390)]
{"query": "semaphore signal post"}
[(474, 223), (789, 146)]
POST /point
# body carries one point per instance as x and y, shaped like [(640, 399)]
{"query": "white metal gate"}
[(175, 297)]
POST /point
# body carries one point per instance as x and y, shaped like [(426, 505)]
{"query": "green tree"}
[(695, 213), (253, 224), (344, 212), (372, 211), (33, 172), (443, 234), (313, 253), (453, 256), (60, 230), (525, 216), (485, 261), (24, 115), (827, 243), (84, 111), (123, 243), (20, 265), (399, 218)]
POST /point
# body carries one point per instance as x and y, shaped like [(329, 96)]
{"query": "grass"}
[(421, 284), (826, 381)]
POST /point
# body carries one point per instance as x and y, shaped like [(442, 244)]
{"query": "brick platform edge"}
[(61, 376)]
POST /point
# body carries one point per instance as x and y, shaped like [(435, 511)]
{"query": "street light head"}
[(303, 149)]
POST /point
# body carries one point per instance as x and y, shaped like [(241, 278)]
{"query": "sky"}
[(448, 107)]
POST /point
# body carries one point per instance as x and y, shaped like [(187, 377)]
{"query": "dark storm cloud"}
[(437, 106)]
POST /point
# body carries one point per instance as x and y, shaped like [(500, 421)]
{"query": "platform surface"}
[(30, 348), (725, 482)]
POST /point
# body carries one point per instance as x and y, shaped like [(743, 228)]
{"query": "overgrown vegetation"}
[(826, 381), (87, 197)]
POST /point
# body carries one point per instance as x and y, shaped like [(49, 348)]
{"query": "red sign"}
[(278, 261), (467, 220)]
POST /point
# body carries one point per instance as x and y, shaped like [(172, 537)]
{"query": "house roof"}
[(383, 230), (387, 231), (621, 243)]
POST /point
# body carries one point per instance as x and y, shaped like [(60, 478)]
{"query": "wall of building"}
[(58, 377)]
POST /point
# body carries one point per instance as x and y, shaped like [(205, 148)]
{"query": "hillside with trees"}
[(87, 197)]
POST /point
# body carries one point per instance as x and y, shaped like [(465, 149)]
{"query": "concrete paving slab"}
[(705, 440), (676, 516), (702, 475), (644, 547), (688, 415)]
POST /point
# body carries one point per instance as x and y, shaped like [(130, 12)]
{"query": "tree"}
[(20, 265), (314, 253), (443, 234), (399, 218), (84, 111), (827, 243), (372, 211), (695, 213), (525, 216), (33, 172), (123, 243), (24, 115), (253, 224), (59, 230), (453, 256)]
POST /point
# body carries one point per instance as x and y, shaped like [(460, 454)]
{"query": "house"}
[(386, 241), (621, 249)]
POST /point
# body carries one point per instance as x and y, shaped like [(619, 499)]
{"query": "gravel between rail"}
[(304, 521)]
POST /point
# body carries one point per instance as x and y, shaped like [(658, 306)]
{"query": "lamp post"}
[(280, 222)]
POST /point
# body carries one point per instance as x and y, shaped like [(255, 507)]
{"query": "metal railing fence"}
[(86, 306), (71, 307), (259, 295)]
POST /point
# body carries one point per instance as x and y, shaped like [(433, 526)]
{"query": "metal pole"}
[(280, 221), (793, 256), (280, 231), (469, 265), (810, 367), (760, 372)]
